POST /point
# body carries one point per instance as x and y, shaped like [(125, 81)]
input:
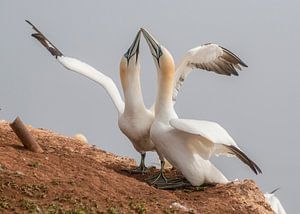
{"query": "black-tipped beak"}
[(154, 46), (134, 48), (275, 190)]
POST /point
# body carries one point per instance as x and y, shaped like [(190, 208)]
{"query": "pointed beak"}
[(154, 46), (134, 48)]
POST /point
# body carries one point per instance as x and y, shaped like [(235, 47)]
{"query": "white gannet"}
[(134, 119), (274, 202), (187, 144)]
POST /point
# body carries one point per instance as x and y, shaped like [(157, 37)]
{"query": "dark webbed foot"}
[(158, 178), (180, 183), (141, 169)]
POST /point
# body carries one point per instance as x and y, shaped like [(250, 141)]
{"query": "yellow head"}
[(162, 58)]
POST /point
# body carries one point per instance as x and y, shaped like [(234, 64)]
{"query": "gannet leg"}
[(159, 177), (141, 169)]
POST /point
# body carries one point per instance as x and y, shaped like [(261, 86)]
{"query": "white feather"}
[(91, 73), (210, 130), (274, 203), (210, 135), (209, 57)]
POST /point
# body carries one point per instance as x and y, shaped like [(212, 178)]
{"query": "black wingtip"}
[(235, 73), (243, 64), (35, 35), (235, 56), (244, 158), (45, 42), (258, 170), (30, 23)]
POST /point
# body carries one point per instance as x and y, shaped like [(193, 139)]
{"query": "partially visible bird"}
[(274, 202), (81, 138)]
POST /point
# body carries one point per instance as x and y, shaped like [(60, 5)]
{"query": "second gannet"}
[(187, 144)]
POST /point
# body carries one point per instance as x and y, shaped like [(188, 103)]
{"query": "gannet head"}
[(132, 53), (162, 57), (129, 61)]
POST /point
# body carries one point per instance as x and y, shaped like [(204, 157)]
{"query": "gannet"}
[(274, 202), (134, 119), (187, 144)]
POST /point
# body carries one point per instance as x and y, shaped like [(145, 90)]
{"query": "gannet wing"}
[(209, 57), (82, 68), (213, 138)]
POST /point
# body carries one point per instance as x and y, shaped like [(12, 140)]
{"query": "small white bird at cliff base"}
[(274, 202)]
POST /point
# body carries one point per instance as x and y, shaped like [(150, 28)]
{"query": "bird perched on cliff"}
[(274, 202), (188, 144)]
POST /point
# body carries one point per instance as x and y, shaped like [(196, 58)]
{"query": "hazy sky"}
[(260, 108)]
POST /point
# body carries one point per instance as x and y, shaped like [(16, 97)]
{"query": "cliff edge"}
[(75, 177)]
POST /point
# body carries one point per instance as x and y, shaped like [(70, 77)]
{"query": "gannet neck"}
[(164, 105), (130, 79), (91, 73)]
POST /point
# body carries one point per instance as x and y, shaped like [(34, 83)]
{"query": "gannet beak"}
[(134, 48), (274, 190), (154, 46)]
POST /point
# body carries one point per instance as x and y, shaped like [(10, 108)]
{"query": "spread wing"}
[(82, 68), (214, 139), (209, 57)]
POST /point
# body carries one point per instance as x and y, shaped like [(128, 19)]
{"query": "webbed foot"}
[(141, 169), (181, 183)]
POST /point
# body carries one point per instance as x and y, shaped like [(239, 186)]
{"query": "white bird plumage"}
[(186, 144), (274, 202), (93, 74)]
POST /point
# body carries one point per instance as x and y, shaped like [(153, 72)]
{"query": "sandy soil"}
[(74, 177)]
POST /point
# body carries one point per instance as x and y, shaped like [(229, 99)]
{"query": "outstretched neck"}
[(163, 106), (132, 91)]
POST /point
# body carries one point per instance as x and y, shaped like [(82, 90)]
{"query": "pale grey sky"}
[(260, 108)]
